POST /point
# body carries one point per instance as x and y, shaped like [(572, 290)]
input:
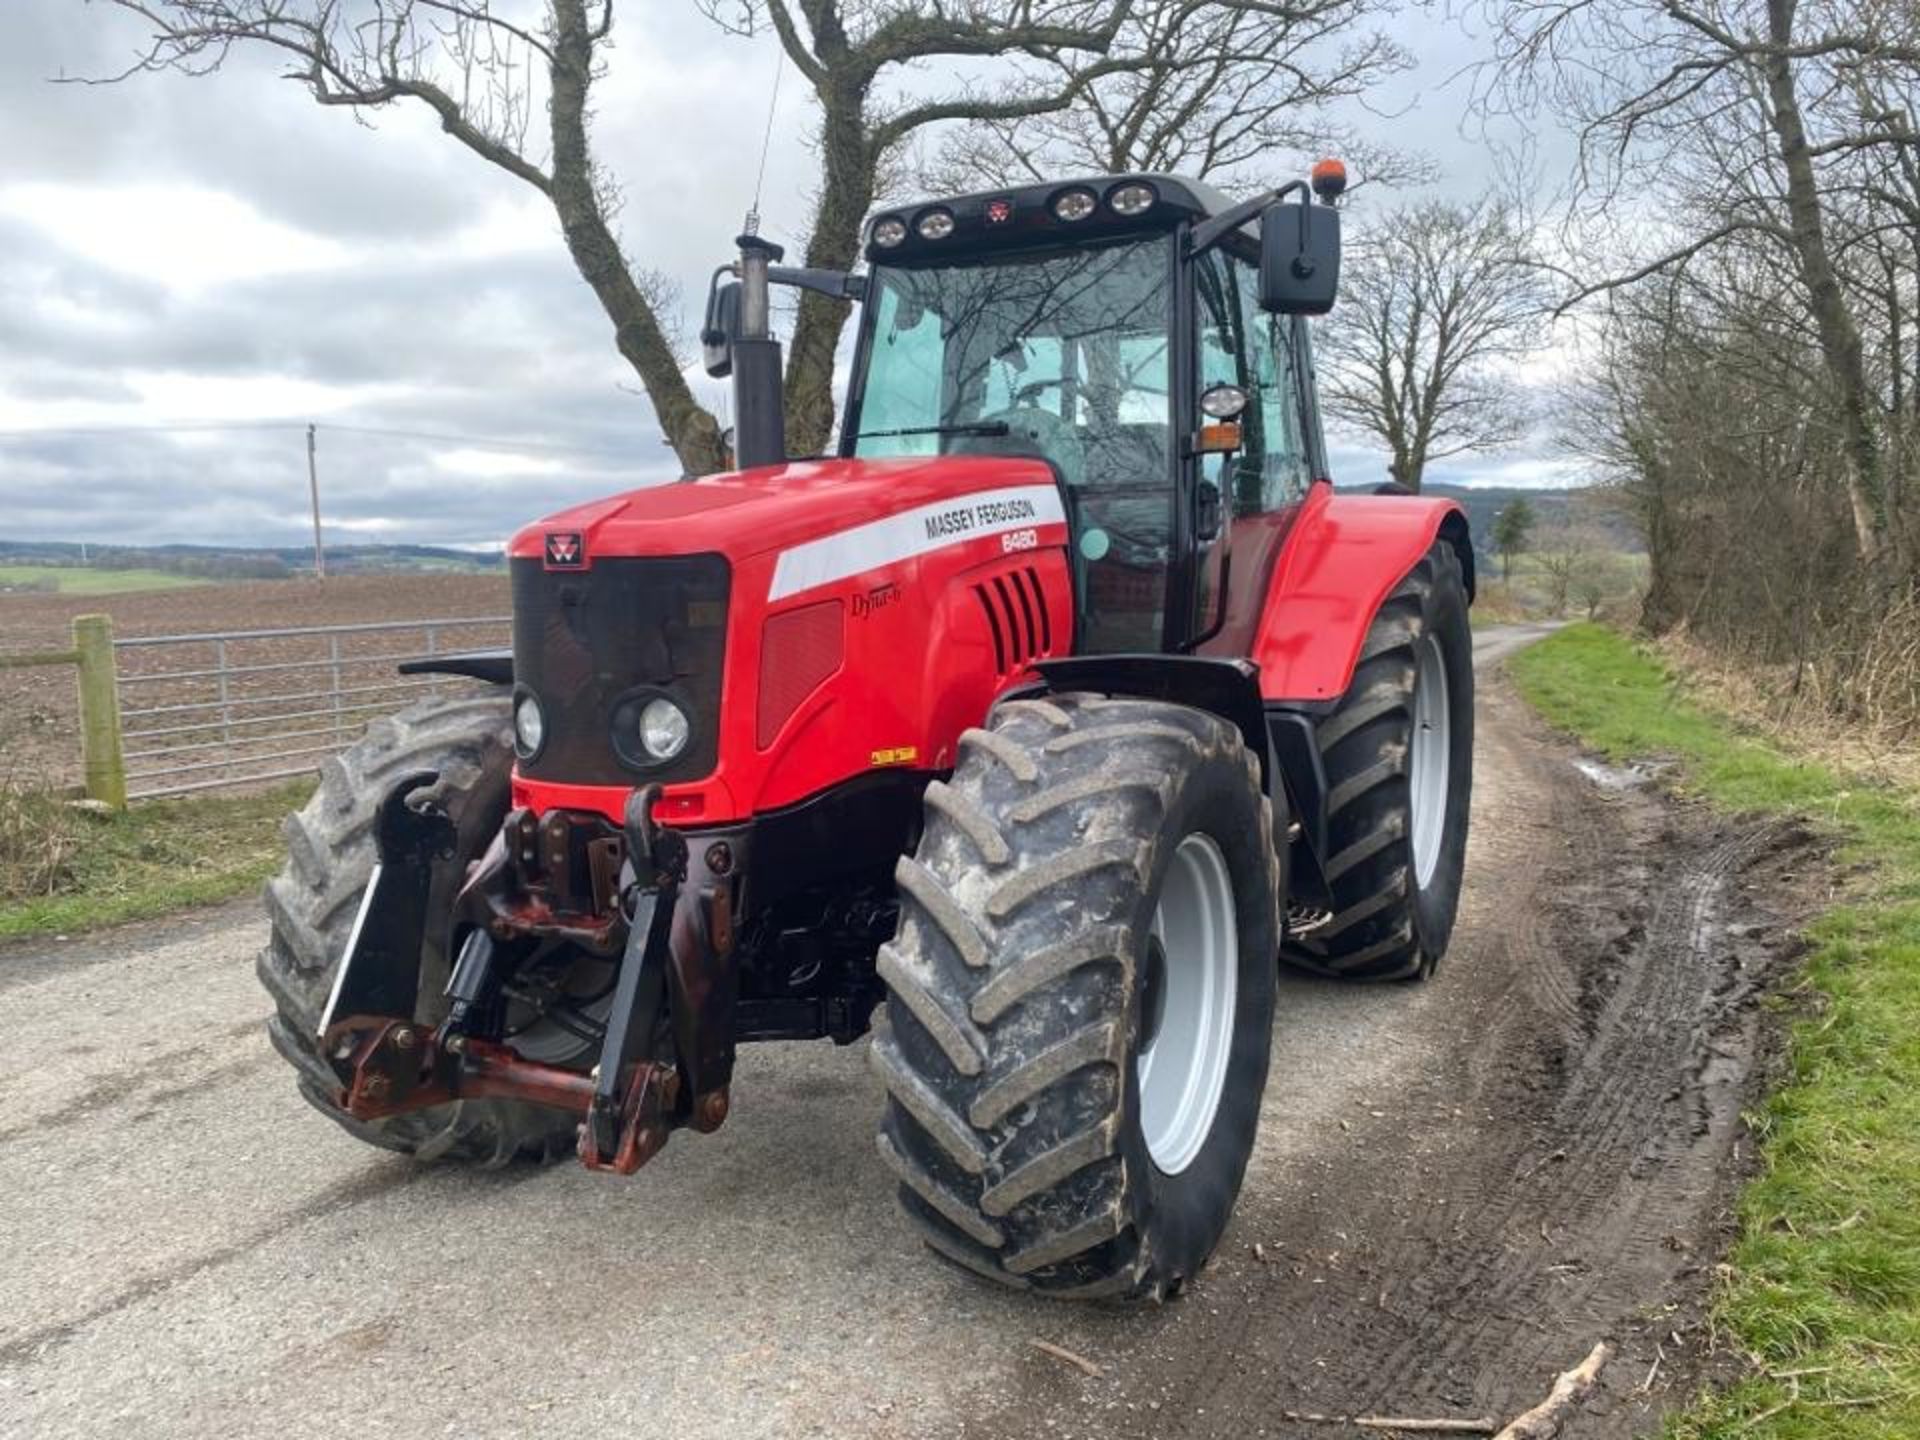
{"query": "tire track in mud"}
[(1552, 1166)]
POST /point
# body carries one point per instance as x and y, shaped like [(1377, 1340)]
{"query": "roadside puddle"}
[(1620, 777)]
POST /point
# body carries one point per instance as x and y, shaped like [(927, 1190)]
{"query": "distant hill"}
[(223, 562), (1483, 504)]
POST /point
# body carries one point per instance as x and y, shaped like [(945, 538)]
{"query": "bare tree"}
[(1439, 302), (1713, 123), (855, 54), (1231, 92), (1560, 550), (486, 75), (486, 70), (1602, 578), (492, 70)]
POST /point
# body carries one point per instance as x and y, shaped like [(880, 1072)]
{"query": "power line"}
[(182, 427), (205, 427), (476, 442)]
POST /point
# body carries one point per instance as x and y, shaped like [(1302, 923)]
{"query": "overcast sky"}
[(192, 269)]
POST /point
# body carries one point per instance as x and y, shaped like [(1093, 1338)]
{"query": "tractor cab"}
[(1142, 335)]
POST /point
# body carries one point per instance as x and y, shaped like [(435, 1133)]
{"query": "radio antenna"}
[(752, 226)]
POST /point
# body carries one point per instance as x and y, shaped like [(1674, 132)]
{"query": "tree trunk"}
[(690, 430), (846, 194), (1840, 343)]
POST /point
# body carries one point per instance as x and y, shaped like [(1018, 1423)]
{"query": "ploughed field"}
[(39, 727)]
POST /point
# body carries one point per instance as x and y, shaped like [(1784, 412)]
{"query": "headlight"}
[(529, 727), (664, 729), (1074, 204), (935, 225), (889, 231), (1223, 402), (1135, 199)]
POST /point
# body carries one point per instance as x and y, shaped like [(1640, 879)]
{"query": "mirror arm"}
[(1210, 233), (834, 284)]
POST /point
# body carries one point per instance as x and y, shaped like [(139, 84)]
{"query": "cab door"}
[(1214, 484)]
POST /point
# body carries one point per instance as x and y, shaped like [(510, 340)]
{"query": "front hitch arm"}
[(676, 961), (380, 972), (626, 1120)]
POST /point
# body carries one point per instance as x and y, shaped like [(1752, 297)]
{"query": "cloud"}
[(194, 269)]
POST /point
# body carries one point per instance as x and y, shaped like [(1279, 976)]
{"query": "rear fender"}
[(1342, 558)]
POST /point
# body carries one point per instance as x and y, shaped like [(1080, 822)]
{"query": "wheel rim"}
[(1183, 1064), (1429, 758)]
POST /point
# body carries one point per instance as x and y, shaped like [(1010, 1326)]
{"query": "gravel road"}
[(1459, 1186)]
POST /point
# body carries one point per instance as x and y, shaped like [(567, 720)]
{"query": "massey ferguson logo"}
[(566, 550)]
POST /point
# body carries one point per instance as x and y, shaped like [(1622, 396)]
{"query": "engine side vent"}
[(799, 649), (1015, 605)]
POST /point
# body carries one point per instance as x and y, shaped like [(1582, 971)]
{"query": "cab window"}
[(1240, 344), (1274, 395)]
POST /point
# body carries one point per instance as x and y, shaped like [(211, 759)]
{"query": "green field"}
[(1821, 1293), (76, 580)]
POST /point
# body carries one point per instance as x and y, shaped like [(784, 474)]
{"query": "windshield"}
[(1061, 354)]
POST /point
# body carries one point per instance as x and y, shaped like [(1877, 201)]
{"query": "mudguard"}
[(1342, 558), (1226, 688)]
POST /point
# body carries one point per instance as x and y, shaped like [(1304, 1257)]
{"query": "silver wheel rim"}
[(1183, 1067), (1428, 759)]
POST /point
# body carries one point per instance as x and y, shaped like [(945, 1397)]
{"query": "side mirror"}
[(720, 328), (1299, 259)]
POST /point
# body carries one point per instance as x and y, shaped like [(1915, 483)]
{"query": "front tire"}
[(311, 906), (1081, 996), (1398, 753)]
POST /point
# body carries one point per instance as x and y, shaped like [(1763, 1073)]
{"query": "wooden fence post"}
[(100, 748)]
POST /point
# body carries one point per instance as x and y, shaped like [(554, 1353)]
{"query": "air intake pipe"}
[(759, 402)]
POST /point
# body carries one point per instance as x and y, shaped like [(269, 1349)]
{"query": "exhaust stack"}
[(759, 405)]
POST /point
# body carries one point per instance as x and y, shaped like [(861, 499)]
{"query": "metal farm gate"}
[(243, 707)]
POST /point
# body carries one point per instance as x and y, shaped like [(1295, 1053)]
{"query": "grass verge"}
[(1822, 1289), (63, 870)]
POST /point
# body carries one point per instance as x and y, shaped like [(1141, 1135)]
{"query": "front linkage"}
[(672, 932)]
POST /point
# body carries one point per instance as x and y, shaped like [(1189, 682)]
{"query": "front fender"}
[(1227, 688), (1342, 558)]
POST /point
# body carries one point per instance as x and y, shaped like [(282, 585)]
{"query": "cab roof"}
[(1025, 215)]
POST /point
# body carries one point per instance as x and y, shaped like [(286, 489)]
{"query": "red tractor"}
[(1048, 714)]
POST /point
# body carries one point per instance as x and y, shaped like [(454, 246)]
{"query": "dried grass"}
[(1856, 708), (39, 838)]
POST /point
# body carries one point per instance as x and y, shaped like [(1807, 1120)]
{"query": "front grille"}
[(631, 626), (1016, 611)]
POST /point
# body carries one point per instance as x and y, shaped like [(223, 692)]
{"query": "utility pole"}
[(313, 489)]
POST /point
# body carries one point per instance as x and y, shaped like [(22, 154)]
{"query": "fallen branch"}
[(1481, 1426), (1544, 1420), (1060, 1352)]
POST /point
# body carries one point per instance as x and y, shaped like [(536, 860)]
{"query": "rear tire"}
[(1398, 753), (1096, 882), (311, 906)]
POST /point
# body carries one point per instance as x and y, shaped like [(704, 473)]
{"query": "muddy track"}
[(1459, 1186), (1551, 1165)]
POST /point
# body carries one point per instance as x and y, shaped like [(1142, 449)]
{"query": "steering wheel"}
[(1031, 431), (1033, 389)]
